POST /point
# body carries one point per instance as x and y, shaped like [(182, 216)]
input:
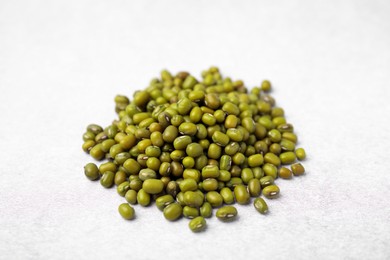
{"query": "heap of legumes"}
[(191, 146)]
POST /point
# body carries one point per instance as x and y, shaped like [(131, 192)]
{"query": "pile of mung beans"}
[(192, 146)]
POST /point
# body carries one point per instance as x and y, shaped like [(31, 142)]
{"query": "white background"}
[(62, 63)]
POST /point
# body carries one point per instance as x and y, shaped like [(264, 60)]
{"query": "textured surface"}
[(62, 63)]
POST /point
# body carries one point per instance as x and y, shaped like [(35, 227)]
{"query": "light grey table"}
[(62, 63)]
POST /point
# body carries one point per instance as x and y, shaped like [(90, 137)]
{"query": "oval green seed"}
[(248, 124), (283, 128), (153, 163), (123, 188), (247, 175), (212, 101), (220, 138), (287, 157), (120, 177), (214, 151), (214, 198), (297, 169), (210, 171), (146, 174), (96, 152), (231, 121), (107, 144), (188, 185), (219, 116), (196, 115), (300, 153), (287, 145), (107, 179), (143, 198), (254, 187), (131, 197), (210, 184), (290, 136), (153, 151), (255, 160), (87, 145), (136, 183), (173, 211), (181, 142), (270, 170), (231, 109), (141, 98), (170, 133), (274, 135), (88, 136), (241, 194), (190, 212), (95, 129), (209, 119), (266, 181), (225, 162), (132, 166), (116, 149), (189, 82), (198, 224), (271, 191), (275, 148), (266, 86), (272, 158), (108, 166), (188, 162), (194, 150), (196, 95), (126, 211), (206, 210), (184, 106), (193, 199), (227, 195), (153, 186), (224, 176), (284, 173), (232, 148), (260, 205), (226, 213), (120, 158), (188, 128), (91, 171)]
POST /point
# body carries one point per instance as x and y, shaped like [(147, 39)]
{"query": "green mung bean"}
[(197, 224), (284, 173), (214, 198), (227, 195), (143, 198), (287, 157), (241, 194), (126, 211), (260, 205), (297, 169), (131, 197), (190, 212), (206, 210), (91, 171), (271, 191), (107, 179), (153, 186), (226, 213), (300, 153), (173, 211)]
